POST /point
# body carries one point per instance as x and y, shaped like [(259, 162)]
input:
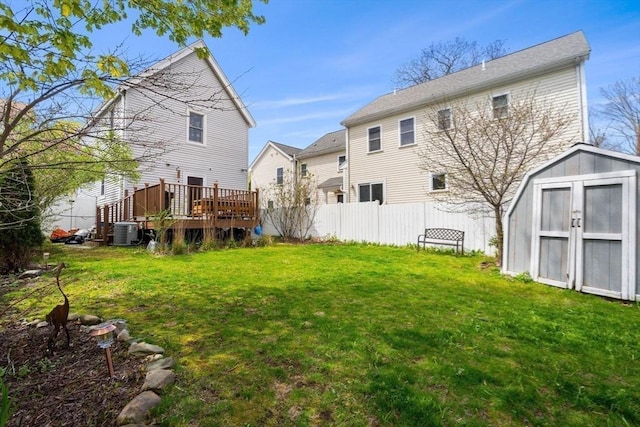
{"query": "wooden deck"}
[(193, 207)]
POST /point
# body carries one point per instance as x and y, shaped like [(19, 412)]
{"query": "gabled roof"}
[(579, 147), (172, 59), (568, 50), (286, 150), (330, 143)]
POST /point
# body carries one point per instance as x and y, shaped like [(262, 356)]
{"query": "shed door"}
[(584, 234)]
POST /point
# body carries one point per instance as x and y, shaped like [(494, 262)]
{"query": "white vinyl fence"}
[(397, 224)]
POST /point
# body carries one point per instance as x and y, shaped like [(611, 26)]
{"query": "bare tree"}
[(484, 157), (622, 110), (291, 206), (444, 58)]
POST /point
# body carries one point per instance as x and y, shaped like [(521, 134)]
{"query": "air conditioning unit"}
[(125, 233)]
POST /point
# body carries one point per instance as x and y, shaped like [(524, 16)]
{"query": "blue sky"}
[(314, 62)]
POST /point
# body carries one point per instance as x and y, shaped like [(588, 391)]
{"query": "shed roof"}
[(330, 143), (560, 52)]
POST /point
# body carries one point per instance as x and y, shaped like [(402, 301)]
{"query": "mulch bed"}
[(69, 388)]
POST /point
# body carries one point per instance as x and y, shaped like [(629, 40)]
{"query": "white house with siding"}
[(184, 120), (324, 161), (271, 166), (384, 137)]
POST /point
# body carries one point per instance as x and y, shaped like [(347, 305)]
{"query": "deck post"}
[(215, 205), (256, 206), (161, 195), (98, 227), (126, 205), (146, 202), (105, 225)]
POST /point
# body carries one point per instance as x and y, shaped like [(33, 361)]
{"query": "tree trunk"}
[(499, 234)]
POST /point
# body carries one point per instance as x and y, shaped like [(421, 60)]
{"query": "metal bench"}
[(442, 236)]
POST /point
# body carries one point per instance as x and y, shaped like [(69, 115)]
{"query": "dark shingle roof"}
[(560, 52), (332, 183), (287, 149), (329, 143)]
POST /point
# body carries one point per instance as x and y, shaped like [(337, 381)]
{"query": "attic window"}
[(500, 106), (196, 127), (444, 119), (341, 161)]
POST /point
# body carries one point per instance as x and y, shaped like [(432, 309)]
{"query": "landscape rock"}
[(73, 317), (123, 336), (89, 319), (158, 379), (143, 349), (42, 324), (29, 274), (164, 363), (138, 410)]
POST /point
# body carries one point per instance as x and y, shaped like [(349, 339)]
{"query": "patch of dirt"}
[(72, 387)]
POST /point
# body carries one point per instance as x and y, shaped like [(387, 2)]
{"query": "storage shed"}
[(573, 223)]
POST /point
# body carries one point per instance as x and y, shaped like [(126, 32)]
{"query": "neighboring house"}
[(322, 161), (271, 166), (385, 136), (183, 117)]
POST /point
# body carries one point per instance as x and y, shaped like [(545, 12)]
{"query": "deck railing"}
[(180, 201)]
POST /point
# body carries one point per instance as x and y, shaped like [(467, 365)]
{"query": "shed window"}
[(196, 127), (374, 139)]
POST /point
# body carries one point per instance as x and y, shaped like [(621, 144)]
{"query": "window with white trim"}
[(500, 105), (341, 161), (339, 198), (196, 127), (280, 176), (370, 192), (438, 181), (444, 119), (374, 139), (407, 132), (303, 170)]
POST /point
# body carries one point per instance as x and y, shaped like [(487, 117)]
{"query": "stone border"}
[(160, 374)]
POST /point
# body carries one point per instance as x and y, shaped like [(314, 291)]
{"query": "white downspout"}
[(584, 108), (346, 181)]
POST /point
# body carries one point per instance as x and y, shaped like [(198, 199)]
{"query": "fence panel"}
[(397, 224)]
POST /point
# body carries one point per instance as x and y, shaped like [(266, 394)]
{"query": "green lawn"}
[(364, 336)]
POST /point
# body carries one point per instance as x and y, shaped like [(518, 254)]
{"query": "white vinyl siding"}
[(405, 182), (321, 168), (222, 156)]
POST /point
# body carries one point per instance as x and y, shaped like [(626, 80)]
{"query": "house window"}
[(407, 132), (270, 204), (371, 192), (196, 127), (438, 181), (303, 169), (280, 176), (102, 187), (341, 161), (340, 198), (444, 119), (374, 139), (307, 201), (500, 106), (112, 119)]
